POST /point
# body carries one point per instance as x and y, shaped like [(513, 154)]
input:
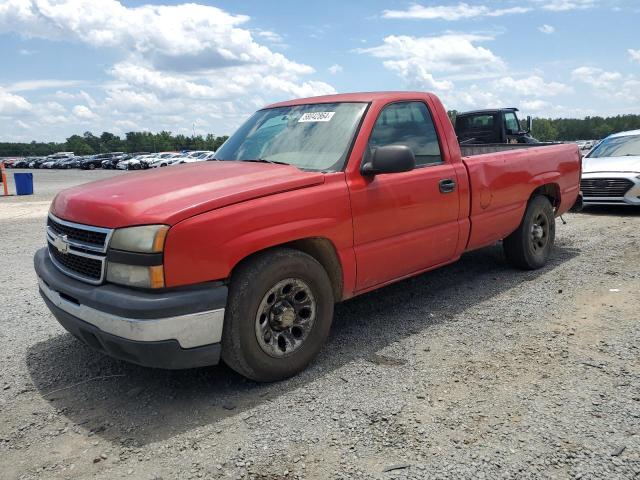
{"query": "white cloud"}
[(83, 112), (635, 54), (464, 10), (269, 36), (451, 12), (26, 85), (170, 58), (533, 86), (53, 107), (566, 5), (548, 29), (335, 69), (186, 37), (417, 59), (596, 77), (471, 97), (11, 104), (165, 84), (534, 105)]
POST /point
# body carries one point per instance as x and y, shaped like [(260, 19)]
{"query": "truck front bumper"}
[(173, 328)]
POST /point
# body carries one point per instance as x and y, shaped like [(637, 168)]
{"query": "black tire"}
[(250, 284), (92, 166), (529, 247)]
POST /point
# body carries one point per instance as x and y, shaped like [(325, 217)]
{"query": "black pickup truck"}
[(494, 126)]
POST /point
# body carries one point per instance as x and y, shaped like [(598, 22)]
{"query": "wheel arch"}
[(549, 190), (319, 248)]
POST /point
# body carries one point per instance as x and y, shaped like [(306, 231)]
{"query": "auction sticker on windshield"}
[(316, 117)]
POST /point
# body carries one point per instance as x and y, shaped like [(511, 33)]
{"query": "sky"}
[(70, 66)]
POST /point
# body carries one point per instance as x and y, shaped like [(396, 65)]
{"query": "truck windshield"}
[(311, 137), (617, 147)]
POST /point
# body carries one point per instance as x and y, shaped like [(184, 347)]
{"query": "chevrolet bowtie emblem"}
[(61, 243)]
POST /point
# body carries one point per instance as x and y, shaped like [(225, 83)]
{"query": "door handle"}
[(447, 185)]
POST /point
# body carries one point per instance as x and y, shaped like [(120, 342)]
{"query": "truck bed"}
[(469, 150), (502, 179)]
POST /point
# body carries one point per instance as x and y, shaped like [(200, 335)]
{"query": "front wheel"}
[(530, 245), (278, 316)]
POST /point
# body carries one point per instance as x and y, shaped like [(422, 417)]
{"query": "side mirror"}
[(529, 124), (390, 159)]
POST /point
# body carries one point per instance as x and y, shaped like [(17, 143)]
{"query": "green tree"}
[(92, 141), (544, 130), (78, 145), (110, 142)]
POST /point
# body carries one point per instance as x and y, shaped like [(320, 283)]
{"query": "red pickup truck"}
[(310, 202)]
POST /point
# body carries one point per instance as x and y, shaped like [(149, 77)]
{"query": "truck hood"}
[(171, 194), (611, 164)]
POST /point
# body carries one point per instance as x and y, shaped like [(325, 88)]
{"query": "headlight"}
[(135, 256), (136, 275), (145, 239)]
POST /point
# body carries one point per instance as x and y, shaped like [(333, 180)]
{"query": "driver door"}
[(406, 222)]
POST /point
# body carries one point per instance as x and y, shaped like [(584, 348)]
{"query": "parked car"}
[(37, 162), (200, 156), (134, 163), (21, 163), (195, 153), (163, 159), (48, 164), (311, 202), (110, 160), (92, 162), (66, 163), (189, 160), (611, 171)]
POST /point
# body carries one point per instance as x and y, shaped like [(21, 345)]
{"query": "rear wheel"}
[(278, 315), (530, 245)]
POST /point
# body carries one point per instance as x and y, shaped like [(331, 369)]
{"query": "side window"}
[(511, 122), (482, 122), (409, 124)]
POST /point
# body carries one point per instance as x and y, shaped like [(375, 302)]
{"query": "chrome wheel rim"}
[(539, 233), (285, 317)]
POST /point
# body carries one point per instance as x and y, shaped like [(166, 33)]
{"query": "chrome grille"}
[(78, 250), (86, 267), (92, 238), (605, 187)]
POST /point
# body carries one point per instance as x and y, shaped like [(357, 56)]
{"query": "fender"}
[(208, 246)]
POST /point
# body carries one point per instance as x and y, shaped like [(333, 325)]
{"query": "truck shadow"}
[(133, 405)]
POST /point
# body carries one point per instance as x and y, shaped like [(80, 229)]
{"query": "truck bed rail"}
[(470, 150)]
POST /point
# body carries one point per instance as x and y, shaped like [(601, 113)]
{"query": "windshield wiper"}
[(264, 160)]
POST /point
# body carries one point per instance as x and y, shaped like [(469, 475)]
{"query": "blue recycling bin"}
[(24, 183)]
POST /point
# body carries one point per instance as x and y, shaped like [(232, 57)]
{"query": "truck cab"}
[(492, 126)]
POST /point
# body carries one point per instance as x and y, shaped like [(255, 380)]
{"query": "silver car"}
[(611, 171)]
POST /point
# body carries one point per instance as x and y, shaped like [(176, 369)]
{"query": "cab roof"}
[(488, 110), (364, 97)]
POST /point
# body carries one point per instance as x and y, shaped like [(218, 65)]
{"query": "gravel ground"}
[(472, 371)]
